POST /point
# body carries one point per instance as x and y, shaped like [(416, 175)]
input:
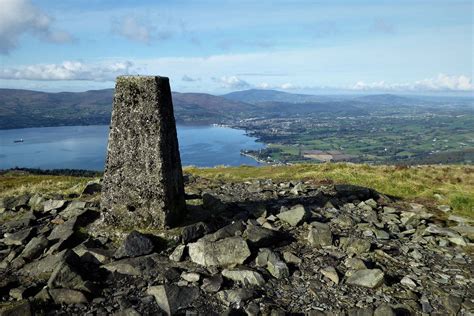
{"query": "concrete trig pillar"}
[(143, 180)]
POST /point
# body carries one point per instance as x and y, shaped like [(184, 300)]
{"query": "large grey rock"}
[(134, 245), (43, 268), (370, 278), (273, 263), (143, 181), (19, 238), (67, 296), (230, 230), (244, 276), (259, 236), (14, 202), (50, 205), (225, 252), (320, 235), (212, 284), (235, 297), (353, 245), (294, 216), (171, 298), (67, 276), (140, 266), (35, 247), (92, 187), (193, 232)]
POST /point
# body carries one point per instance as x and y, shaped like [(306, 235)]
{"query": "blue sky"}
[(220, 46)]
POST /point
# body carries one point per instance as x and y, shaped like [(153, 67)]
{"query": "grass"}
[(17, 183), (454, 183)]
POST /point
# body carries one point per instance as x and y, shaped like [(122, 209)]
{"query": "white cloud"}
[(190, 79), (140, 30), (130, 28), (283, 86), (441, 83), (18, 17), (68, 70), (232, 82)]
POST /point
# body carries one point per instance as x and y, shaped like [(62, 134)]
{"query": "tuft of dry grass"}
[(18, 183)]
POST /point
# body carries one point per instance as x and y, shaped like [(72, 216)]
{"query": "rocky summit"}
[(253, 248)]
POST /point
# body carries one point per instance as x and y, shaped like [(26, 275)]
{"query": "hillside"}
[(255, 96), (24, 108), (251, 240), (449, 184)]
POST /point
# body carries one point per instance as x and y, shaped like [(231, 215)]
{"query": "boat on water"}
[(18, 140)]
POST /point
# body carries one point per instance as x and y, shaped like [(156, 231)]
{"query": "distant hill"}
[(254, 96), (388, 99), (25, 108), (288, 108)]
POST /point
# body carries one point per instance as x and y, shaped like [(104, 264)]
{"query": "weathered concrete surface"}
[(143, 181)]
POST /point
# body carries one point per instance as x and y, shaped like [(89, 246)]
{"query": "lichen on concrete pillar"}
[(143, 180)]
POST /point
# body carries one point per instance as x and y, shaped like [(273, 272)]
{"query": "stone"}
[(235, 297), (355, 264), (73, 209), (143, 180), (225, 252), (291, 258), (178, 253), (67, 276), (371, 203), (353, 245), (92, 187), (384, 310), (331, 274), (265, 255), (294, 216), (231, 230), (171, 298), (17, 293), (14, 202), (458, 240), (257, 236), (244, 276), (319, 235), (465, 231), (370, 278), (19, 238), (278, 269), (36, 202), (22, 308), (135, 244), (408, 282), (212, 284), (195, 231), (191, 276), (93, 255), (139, 266), (43, 268), (63, 231), (34, 248), (67, 296), (50, 205)]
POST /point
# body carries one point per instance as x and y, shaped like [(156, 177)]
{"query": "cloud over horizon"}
[(442, 82), (19, 17), (68, 70)]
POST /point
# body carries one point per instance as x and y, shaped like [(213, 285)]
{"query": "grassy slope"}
[(454, 183)]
